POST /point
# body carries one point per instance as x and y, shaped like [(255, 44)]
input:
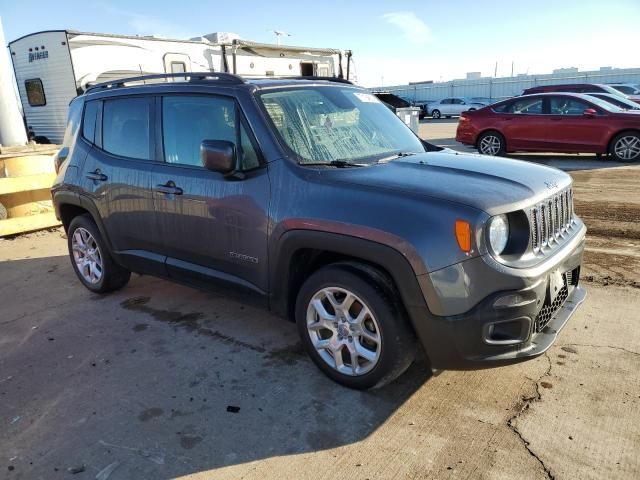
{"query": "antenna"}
[(278, 34)]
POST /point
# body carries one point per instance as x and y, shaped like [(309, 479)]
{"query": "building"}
[(504, 87)]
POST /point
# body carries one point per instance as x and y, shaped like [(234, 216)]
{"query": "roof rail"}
[(326, 79), (192, 76)]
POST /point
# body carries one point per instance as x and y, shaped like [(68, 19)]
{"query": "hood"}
[(492, 184)]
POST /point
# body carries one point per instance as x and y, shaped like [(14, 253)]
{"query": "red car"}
[(553, 122)]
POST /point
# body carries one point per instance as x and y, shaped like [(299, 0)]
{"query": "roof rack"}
[(192, 76)]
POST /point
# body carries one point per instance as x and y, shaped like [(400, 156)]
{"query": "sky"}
[(394, 42)]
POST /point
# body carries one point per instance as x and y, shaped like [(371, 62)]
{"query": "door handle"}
[(97, 175), (556, 119), (169, 188)]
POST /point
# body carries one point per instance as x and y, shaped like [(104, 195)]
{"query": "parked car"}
[(617, 100), (579, 88), (448, 107), (291, 190), (392, 100), (630, 89), (553, 122)]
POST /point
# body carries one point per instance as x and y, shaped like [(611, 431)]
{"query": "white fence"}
[(506, 87)]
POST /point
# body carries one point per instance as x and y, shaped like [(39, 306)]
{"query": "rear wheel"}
[(435, 114), (352, 328), (626, 147), (91, 259), (491, 143)]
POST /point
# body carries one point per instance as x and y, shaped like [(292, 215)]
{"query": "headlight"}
[(498, 233)]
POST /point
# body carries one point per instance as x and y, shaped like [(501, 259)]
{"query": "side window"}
[(526, 106), (125, 127), (446, 101), (457, 101), (187, 121), (89, 121), (567, 106), (35, 92), (504, 107)]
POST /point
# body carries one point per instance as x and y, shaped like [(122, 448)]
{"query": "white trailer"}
[(52, 67)]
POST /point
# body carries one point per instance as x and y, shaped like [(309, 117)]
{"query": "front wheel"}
[(436, 114), (626, 147), (352, 328), (491, 143)]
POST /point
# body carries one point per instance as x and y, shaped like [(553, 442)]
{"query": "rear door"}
[(570, 130), (458, 106), (211, 227), (523, 124), (117, 178)]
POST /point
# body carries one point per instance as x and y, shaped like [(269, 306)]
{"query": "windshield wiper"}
[(336, 163), (396, 155)]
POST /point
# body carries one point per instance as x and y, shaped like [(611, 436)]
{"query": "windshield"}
[(337, 124)]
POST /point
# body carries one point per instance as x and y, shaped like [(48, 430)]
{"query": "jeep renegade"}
[(313, 195)]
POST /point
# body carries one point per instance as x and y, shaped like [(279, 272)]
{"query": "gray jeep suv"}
[(312, 195)]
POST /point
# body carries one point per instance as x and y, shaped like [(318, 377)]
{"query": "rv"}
[(52, 67)]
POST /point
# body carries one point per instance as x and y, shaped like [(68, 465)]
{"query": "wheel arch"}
[(302, 252), (69, 205), (620, 132)]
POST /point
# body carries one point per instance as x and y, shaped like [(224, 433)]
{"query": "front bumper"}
[(519, 321)]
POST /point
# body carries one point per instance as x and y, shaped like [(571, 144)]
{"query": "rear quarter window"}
[(89, 121)]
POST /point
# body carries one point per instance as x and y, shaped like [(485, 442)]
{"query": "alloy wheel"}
[(344, 331), (86, 255), (490, 145), (627, 148)]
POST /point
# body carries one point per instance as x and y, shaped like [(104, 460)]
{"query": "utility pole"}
[(495, 71), (512, 68)]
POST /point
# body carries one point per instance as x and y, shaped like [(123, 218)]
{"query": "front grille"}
[(549, 309), (551, 220)]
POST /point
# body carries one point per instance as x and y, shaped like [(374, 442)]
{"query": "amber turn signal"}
[(463, 235)]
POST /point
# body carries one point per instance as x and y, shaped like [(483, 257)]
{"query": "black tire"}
[(618, 138), (436, 114), (501, 148), (398, 343), (113, 275)]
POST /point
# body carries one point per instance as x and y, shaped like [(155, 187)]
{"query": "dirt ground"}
[(159, 380)]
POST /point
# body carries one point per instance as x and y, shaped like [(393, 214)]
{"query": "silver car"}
[(448, 107)]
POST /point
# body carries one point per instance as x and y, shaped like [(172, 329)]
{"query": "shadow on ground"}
[(159, 380)]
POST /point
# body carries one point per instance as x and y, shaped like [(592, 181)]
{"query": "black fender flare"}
[(371, 252), (67, 197)]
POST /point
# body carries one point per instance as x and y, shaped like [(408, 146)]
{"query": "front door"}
[(570, 130), (210, 226)]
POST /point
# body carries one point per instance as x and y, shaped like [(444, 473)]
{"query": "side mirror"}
[(218, 156), (590, 112)]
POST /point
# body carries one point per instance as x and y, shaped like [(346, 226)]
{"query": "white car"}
[(448, 107)]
